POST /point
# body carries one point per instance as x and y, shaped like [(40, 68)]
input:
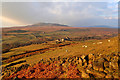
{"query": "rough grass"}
[(77, 50), (72, 50), (56, 32), (21, 50), (15, 63)]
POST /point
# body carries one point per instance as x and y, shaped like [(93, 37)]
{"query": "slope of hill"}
[(57, 51), (104, 26), (48, 24), (68, 61), (21, 36)]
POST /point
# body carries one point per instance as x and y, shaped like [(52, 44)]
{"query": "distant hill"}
[(48, 24), (104, 26)]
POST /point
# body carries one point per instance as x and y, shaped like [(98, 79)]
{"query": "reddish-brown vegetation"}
[(47, 71), (29, 53), (72, 67)]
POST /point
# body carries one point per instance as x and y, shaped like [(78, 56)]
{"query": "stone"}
[(63, 64), (106, 64), (108, 76), (85, 64), (2, 73), (95, 67), (84, 61), (77, 58), (61, 61), (80, 68), (107, 57), (48, 63), (80, 60), (98, 66), (101, 60), (83, 57), (114, 59), (58, 57), (16, 78), (85, 75), (114, 65), (41, 59), (110, 70), (96, 73), (89, 66), (67, 59), (76, 62), (70, 60), (106, 71), (115, 75), (90, 56), (53, 59), (90, 61)]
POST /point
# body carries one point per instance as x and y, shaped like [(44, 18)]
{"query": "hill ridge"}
[(47, 24)]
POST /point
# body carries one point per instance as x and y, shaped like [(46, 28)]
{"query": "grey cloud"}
[(71, 13)]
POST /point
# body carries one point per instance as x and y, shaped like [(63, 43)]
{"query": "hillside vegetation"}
[(69, 55), (59, 51), (23, 36)]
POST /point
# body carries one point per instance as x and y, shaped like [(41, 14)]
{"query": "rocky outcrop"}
[(84, 66)]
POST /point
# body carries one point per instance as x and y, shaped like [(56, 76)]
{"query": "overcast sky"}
[(76, 14)]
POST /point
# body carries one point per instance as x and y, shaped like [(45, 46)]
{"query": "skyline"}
[(76, 14)]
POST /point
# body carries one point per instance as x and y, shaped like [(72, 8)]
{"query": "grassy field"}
[(75, 49), (20, 50), (108, 47), (23, 36), (29, 45)]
